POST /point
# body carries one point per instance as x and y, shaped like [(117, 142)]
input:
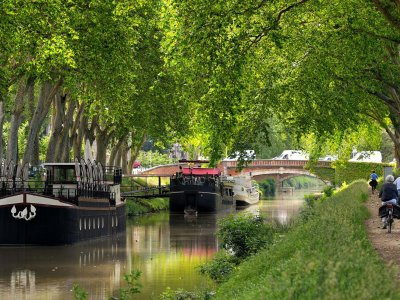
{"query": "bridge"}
[(259, 169)]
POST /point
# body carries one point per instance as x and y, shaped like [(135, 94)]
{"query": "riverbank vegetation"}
[(268, 185), (139, 206), (326, 254)]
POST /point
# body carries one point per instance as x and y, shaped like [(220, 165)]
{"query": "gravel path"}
[(386, 244)]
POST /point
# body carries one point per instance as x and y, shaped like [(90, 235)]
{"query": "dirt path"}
[(386, 244)]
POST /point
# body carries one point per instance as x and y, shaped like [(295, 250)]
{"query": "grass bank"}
[(326, 255), (139, 206)]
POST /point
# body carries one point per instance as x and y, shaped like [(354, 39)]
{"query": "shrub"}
[(220, 267), (244, 234)]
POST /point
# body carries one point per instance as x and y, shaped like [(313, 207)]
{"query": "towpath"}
[(386, 244)]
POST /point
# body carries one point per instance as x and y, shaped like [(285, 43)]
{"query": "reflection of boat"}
[(42, 272), (197, 189), (73, 203), (243, 188)]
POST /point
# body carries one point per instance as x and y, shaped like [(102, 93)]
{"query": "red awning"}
[(200, 171)]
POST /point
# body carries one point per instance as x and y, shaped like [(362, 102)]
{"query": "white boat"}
[(244, 190)]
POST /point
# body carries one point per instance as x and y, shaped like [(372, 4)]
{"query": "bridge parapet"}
[(276, 163)]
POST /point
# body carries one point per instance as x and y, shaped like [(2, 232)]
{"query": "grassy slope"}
[(328, 256), (136, 207)]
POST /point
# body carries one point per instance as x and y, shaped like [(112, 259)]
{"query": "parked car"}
[(328, 158), (293, 155), (367, 156)]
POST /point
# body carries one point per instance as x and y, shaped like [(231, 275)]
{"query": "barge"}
[(71, 202), (196, 189)]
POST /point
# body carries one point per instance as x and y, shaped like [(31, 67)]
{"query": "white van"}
[(293, 155), (367, 156)]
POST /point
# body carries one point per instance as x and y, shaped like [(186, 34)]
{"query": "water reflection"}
[(282, 207), (50, 272), (166, 248)]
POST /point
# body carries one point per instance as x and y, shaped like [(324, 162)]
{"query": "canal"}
[(165, 248)]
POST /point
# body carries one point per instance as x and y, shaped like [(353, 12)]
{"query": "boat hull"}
[(201, 202), (247, 200), (37, 220)]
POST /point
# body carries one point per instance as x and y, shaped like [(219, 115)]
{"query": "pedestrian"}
[(374, 181), (388, 194)]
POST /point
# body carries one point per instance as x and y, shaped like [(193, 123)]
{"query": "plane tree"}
[(322, 67)]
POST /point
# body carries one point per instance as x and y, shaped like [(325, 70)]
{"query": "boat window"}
[(64, 174)]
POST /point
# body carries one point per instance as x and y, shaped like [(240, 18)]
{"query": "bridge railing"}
[(276, 163)]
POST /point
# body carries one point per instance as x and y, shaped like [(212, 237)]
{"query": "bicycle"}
[(389, 212), (390, 219)]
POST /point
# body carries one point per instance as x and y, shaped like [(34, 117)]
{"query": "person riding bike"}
[(374, 181), (388, 194)]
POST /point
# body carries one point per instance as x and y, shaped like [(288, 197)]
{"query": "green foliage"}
[(133, 286), (138, 206), (153, 158), (328, 191), (267, 186), (79, 293), (326, 256), (179, 294), (244, 234), (326, 174), (301, 182), (350, 171), (220, 267)]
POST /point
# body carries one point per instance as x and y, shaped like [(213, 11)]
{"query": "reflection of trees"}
[(50, 272), (168, 251)]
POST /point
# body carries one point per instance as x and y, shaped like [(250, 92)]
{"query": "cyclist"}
[(374, 181), (388, 194)]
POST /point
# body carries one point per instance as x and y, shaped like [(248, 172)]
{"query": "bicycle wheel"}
[(390, 222)]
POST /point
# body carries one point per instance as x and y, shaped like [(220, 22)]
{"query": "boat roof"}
[(200, 171), (58, 164), (195, 161)]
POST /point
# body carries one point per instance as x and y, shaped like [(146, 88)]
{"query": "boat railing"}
[(67, 194), (113, 173)]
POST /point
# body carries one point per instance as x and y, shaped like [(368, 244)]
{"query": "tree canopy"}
[(219, 76)]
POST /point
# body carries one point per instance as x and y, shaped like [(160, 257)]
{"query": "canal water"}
[(166, 248)]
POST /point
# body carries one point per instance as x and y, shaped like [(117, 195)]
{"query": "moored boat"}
[(73, 202), (243, 188), (197, 189)]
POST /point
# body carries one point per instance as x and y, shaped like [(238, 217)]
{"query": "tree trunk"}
[(2, 117), (16, 120), (35, 160), (78, 131), (118, 158), (102, 138), (47, 93), (114, 152), (135, 147), (57, 127), (124, 154), (63, 145)]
